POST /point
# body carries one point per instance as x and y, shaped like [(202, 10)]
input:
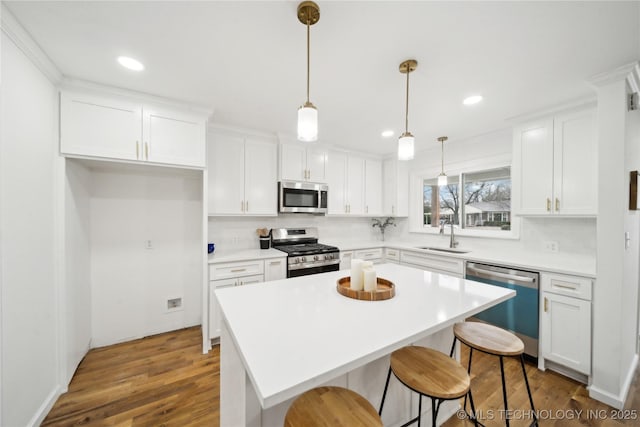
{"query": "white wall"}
[(77, 253), (234, 233), (131, 284), (29, 297)]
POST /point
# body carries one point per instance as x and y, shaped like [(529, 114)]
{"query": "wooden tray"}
[(386, 290)]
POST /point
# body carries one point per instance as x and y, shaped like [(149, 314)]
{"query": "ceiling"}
[(246, 60)]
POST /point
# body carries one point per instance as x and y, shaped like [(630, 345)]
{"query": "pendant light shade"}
[(405, 146), (442, 178), (308, 122), (308, 14), (406, 141)]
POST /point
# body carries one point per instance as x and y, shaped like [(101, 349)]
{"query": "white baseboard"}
[(617, 401), (46, 406)]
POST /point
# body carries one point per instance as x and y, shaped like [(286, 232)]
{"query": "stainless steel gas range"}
[(305, 254)]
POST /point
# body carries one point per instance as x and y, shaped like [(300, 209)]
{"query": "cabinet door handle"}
[(241, 205), (366, 209), (546, 304), (137, 150), (146, 150), (393, 210), (548, 204), (557, 204)]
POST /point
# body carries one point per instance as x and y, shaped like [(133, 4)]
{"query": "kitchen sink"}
[(449, 250)]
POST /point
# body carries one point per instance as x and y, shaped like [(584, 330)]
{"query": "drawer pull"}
[(555, 285), (238, 270), (274, 262)]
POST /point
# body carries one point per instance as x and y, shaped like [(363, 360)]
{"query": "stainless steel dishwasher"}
[(518, 314)]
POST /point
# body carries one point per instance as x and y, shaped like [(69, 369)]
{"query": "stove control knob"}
[(328, 256), (316, 257), (295, 260), (303, 259)]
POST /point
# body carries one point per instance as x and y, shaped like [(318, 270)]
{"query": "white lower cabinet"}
[(374, 255), (345, 259), (436, 263), (275, 269), (565, 321), (225, 275), (392, 255)]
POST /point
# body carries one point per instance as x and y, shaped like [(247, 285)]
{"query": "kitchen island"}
[(284, 337)]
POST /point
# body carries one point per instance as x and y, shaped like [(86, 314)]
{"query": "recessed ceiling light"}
[(387, 133), (130, 63), (472, 100)]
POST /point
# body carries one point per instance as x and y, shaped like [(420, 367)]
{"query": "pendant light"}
[(442, 178), (406, 140), (308, 14)]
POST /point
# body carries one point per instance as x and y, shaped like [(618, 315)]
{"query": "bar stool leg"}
[(504, 391), (473, 408), (419, 408), (464, 406), (526, 381), (434, 412), (453, 346), (386, 386)]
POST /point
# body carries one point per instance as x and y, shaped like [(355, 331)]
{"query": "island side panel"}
[(400, 405), (239, 405)]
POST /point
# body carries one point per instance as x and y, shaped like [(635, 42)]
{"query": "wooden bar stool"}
[(429, 373), (495, 341), (331, 406)]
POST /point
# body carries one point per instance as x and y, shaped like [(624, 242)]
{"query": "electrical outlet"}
[(148, 244), (174, 304), (551, 246)]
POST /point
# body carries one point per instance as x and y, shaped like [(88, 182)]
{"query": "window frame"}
[(416, 198)]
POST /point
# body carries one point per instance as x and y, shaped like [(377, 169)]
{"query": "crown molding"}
[(70, 83), (575, 104), (621, 73), (23, 40)]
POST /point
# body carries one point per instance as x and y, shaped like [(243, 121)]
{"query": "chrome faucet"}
[(452, 241)]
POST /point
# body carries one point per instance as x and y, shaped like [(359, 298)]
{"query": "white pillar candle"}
[(370, 279), (356, 275)]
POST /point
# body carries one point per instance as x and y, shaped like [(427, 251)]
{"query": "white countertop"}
[(244, 255), (526, 259), (297, 333)]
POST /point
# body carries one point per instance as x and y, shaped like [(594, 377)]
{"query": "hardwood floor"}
[(165, 380)]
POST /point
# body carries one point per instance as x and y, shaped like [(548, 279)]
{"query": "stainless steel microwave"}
[(302, 197)]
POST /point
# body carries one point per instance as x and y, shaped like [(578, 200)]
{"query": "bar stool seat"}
[(331, 406), (498, 342), (429, 373), (488, 338)]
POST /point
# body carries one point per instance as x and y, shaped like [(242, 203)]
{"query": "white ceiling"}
[(246, 60)]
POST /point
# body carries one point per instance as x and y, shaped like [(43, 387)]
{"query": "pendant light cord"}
[(442, 152), (406, 114), (308, 56)]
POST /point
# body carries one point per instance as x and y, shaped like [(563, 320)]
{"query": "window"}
[(481, 202)]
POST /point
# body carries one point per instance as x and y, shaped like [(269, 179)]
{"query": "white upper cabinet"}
[(300, 162), (337, 182), (242, 175), (121, 129), (373, 187), (355, 185), (555, 166), (100, 127), (395, 190), (173, 137)]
